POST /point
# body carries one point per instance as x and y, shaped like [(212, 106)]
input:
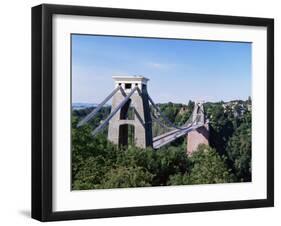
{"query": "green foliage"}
[(222, 126), (239, 151), (97, 163), (179, 179), (171, 161), (206, 167), (177, 113), (230, 135), (125, 177), (100, 115), (209, 167), (90, 173), (105, 166), (84, 146)]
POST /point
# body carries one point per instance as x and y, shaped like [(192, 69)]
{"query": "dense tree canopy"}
[(206, 167), (239, 151), (96, 163)]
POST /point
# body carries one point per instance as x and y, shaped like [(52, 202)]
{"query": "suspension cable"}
[(95, 111), (113, 112)]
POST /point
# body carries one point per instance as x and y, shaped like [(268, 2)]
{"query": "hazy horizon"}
[(108, 103)]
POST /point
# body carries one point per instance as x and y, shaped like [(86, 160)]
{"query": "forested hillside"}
[(96, 163)]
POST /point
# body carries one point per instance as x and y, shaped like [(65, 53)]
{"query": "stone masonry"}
[(201, 134), (139, 104), (197, 137)]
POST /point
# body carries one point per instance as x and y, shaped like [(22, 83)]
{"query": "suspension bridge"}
[(132, 106)]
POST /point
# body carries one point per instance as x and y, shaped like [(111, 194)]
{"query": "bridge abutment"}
[(197, 137), (201, 134)]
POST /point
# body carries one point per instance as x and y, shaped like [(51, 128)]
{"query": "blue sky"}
[(179, 70)]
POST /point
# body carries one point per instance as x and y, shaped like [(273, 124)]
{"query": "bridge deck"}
[(167, 138)]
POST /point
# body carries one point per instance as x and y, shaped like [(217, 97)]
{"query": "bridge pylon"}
[(134, 114), (201, 134)]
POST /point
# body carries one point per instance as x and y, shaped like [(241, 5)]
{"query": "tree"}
[(125, 177), (84, 146), (221, 127), (100, 115), (161, 163), (208, 167), (90, 173), (239, 151), (179, 179), (97, 163), (171, 160)]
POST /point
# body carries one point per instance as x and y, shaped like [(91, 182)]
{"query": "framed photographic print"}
[(145, 112)]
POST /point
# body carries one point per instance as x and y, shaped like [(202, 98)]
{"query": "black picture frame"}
[(42, 111)]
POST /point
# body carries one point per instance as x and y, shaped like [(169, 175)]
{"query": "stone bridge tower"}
[(201, 134), (133, 120)]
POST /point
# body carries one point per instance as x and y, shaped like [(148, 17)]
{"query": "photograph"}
[(141, 112), (149, 111)]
